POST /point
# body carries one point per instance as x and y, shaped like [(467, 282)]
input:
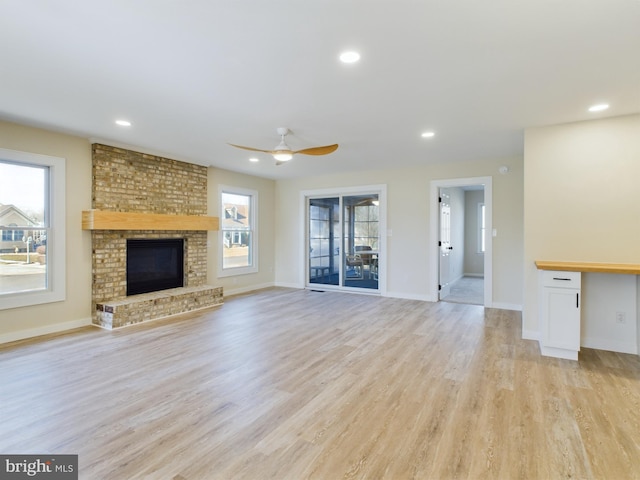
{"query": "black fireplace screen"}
[(154, 264)]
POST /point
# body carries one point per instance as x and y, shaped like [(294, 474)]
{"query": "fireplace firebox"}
[(154, 264)]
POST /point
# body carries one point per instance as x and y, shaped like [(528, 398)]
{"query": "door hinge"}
[(439, 287), (439, 199), (439, 243)]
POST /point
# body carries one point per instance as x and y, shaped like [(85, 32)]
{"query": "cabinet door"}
[(562, 312)]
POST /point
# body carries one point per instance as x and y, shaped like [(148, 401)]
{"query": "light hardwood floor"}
[(293, 384)]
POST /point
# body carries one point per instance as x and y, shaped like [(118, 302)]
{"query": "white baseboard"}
[(410, 296), (289, 285), (559, 353), (46, 330), (595, 343), (507, 306), (478, 275), (610, 345), (237, 291)]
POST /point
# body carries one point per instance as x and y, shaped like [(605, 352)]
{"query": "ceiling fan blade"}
[(318, 150), (251, 148)]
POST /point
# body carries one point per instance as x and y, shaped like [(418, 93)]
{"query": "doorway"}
[(344, 247), (461, 236)]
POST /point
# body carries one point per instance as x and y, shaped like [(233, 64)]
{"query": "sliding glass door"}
[(360, 220), (344, 241), (324, 240)]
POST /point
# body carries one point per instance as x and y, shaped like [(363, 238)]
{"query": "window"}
[(12, 235), (238, 235), (32, 226), (365, 224), (481, 228)]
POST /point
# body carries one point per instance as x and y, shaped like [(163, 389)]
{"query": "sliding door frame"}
[(305, 195)]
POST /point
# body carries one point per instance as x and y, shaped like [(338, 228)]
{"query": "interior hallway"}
[(468, 290)]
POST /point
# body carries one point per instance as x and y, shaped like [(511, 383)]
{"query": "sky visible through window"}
[(23, 186), (231, 198)]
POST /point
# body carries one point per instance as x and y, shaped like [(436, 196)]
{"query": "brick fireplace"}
[(132, 182)]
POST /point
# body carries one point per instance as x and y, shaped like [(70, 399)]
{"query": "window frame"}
[(253, 232), (481, 228), (55, 225)]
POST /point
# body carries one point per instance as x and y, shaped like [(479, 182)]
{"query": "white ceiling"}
[(193, 75)]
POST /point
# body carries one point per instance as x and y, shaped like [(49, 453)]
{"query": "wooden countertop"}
[(627, 268)]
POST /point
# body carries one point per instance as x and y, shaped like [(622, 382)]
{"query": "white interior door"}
[(436, 186), (445, 244)]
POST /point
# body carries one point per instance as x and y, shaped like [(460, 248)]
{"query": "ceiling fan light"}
[(283, 156)]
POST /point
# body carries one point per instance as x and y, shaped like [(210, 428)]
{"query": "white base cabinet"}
[(560, 313)]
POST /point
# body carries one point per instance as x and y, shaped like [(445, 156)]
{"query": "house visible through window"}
[(238, 231), (31, 255)]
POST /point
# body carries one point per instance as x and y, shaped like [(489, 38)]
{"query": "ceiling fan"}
[(283, 153)]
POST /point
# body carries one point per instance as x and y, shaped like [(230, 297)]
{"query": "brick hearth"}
[(127, 181)]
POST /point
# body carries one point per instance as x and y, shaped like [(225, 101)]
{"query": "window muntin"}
[(238, 231), (32, 263)]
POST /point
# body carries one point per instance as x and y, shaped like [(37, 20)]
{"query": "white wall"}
[(280, 228), (457, 232), (408, 220), (265, 276), (473, 261), (638, 311), (582, 203), (604, 295), (75, 310)]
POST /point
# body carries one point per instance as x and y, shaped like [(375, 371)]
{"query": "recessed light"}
[(123, 123), (599, 107), (254, 159), (427, 134), (349, 57)]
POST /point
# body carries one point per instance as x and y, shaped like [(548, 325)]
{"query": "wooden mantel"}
[(105, 220), (626, 268)]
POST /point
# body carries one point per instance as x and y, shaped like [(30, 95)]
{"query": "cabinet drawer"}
[(553, 278)]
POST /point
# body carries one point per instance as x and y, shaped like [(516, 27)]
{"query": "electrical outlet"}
[(621, 317)]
